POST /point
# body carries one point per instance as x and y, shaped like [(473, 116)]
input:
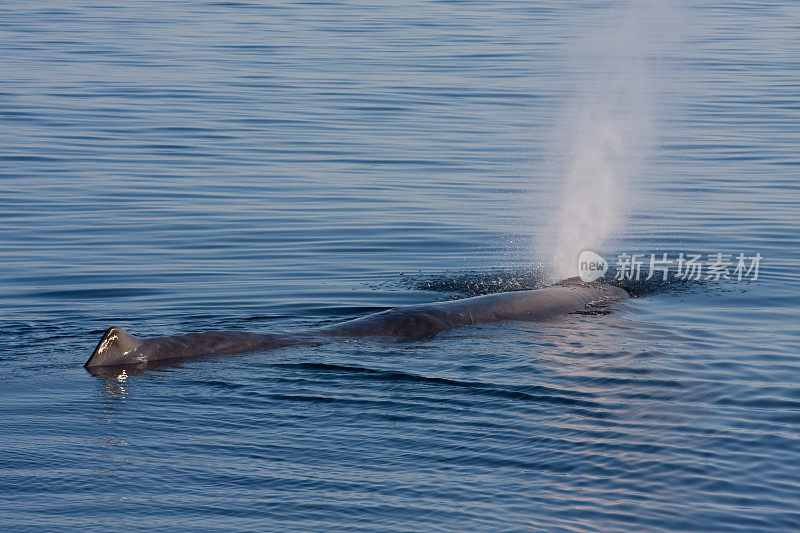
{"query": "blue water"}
[(180, 166)]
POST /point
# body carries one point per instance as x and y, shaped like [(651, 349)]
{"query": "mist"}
[(606, 132)]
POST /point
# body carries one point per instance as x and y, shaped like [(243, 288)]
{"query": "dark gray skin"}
[(118, 347)]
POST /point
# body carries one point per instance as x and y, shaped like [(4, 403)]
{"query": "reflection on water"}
[(113, 396)]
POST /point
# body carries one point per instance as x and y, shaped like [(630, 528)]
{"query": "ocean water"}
[(181, 166)]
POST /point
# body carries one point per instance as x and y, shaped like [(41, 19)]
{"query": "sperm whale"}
[(118, 347)]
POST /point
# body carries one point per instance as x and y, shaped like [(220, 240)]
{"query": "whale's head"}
[(610, 292), (117, 347)]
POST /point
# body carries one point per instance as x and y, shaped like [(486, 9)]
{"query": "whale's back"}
[(117, 347), (532, 305)]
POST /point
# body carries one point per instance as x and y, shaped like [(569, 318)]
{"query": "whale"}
[(118, 347)]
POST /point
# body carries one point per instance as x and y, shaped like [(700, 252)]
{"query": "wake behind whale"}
[(118, 347)]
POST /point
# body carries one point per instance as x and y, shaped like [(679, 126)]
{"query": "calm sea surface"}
[(181, 166)]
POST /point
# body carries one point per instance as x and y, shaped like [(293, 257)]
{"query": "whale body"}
[(117, 347)]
